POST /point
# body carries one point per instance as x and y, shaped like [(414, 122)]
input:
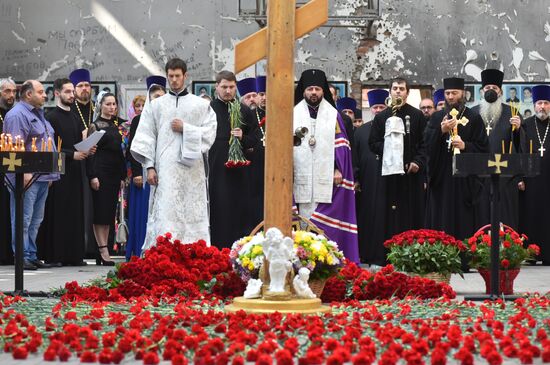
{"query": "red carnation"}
[(88, 356), (20, 353)]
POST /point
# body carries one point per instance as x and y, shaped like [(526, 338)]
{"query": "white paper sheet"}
[(89, 142)]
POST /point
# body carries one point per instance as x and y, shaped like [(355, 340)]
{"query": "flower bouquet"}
[(315, 252), (512, 251), (424, 252), (512, 254), (235, 155)]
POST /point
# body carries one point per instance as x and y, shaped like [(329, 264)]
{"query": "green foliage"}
[(422, 258)]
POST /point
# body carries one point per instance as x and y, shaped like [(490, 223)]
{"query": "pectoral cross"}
[(497, 163), (489, 128), (541, 150), (11, 162)]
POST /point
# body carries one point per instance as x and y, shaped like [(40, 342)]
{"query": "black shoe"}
[(55, 264), (100, 261), (27, 265), (39, 264)]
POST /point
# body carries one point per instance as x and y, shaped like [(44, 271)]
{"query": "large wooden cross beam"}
[(284, 25)]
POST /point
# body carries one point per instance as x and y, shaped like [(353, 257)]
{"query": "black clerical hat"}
[(309, 78), (492, 77), (541, 92), (455, 83)]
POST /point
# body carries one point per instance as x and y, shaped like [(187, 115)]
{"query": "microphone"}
[(408, 124)]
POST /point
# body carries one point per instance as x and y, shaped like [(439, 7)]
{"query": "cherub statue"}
[(253, 289), (301, 286), (278, 251)]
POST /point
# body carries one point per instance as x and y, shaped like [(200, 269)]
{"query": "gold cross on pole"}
[(497, 163), (11, 162)]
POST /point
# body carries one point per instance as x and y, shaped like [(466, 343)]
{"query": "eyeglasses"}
[(426, 107)]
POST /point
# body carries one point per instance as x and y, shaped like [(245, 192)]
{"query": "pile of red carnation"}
[(354, 283), (169, 268)]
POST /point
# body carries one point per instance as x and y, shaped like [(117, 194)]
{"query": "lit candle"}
[(49, 144), (59, 141), (531, 146), (510, 148), (503, 148), (33, 145), (43, 146)]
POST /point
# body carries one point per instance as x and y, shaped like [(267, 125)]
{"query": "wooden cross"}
[(11, 162), (284, 25), (497, 163)]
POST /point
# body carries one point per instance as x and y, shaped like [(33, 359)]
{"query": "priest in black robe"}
[(61, 234), (83, 109), (453, 202), (397, 137), (249, 90), (7, 99), (501, 127), (535, 197), (229, 188), (367, 176)]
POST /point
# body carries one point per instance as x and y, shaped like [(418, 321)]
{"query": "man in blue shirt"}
[(26, 120)]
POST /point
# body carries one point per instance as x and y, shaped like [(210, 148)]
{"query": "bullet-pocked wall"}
[(127, 40)]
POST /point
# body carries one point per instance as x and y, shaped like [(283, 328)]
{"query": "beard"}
[(66, 101), (459, 105), (542, 115), (313, 101), (490, 112)]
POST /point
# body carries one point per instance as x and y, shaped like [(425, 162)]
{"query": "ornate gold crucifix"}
[(462, 121)]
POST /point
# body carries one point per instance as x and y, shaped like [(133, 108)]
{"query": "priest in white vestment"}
[(174, 132)]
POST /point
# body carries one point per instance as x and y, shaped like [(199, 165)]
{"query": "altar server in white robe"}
[(174, 132)]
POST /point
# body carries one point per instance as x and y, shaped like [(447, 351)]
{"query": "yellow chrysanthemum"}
[(257, 250)]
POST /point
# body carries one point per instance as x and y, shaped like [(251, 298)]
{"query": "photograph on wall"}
[(204, 89), (518, 95)]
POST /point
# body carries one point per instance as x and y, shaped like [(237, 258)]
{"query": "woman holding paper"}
[(106, 172)]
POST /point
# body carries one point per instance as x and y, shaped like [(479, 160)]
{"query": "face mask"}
[(490, 96)]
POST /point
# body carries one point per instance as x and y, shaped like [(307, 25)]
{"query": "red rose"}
[(505, 263)]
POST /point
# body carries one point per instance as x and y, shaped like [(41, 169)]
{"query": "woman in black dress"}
[(106, 172)]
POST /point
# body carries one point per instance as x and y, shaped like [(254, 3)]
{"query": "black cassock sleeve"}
[(249, 127), (478, 143), (91, 160), (376, 138)]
